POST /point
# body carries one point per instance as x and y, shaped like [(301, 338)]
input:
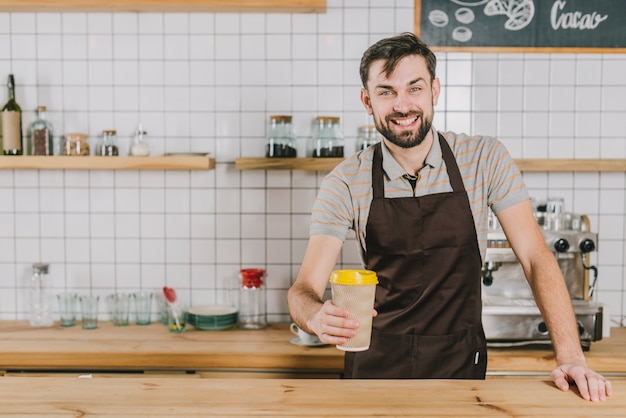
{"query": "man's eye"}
[(415, 88), (385, 93)]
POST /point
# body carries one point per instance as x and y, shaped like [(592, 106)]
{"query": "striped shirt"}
[(491, 179)]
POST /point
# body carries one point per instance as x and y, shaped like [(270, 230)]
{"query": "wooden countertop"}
[(153, 348), (192, 397)]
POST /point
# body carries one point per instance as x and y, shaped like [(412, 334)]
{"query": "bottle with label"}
[(41, 134), (327, 137), (41, 300), (280, 138), (11, 123), (107, 144), (368, 135), (252, 296)]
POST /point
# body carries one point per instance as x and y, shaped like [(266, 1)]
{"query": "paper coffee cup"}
[(356, 291)]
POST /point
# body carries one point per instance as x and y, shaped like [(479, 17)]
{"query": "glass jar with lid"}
[(327, 137), (107, 144), (76, 144), (41, 134), (367, 135), (280, 138)]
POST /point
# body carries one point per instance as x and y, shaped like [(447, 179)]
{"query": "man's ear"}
[(436, 88), (365, 99)]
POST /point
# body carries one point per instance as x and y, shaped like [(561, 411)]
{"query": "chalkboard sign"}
[(522, 25)]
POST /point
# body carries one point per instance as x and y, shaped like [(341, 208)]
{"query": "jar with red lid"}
[(252, 299)]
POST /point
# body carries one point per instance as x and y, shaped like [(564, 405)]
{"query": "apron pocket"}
[(461, 355)]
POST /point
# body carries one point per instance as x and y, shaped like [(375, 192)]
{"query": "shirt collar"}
[(434, 159)]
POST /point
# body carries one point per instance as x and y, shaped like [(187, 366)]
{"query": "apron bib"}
[(425, 253)]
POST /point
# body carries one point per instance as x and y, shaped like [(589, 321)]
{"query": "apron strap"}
[(378, 178), (456, 181)]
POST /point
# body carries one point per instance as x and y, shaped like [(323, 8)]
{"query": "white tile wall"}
[(207, 82)]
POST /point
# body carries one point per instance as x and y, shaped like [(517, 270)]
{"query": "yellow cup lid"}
[(354, 277)]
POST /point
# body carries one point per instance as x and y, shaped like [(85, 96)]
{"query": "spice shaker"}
[(280, 138), (41, 300), (252, 296), (327, 137), (368, 135), (140, 147)]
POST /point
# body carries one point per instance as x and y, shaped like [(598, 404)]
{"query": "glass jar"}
[(368, 135), (107, 144), (252, 296), (41, 299), (76, 144), (327, 137), (41, 134), (280, 138)]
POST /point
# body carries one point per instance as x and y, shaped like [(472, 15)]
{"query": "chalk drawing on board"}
[(519, 12), (438, 18), (462, 34), (465, 15)]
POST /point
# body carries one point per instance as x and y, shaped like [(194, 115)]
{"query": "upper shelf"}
[(230, 6), (526, 165), (107, 163)]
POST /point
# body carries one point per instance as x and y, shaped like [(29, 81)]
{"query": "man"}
[(418, 203)]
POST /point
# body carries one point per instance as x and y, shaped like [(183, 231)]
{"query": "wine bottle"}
[(11, 123)]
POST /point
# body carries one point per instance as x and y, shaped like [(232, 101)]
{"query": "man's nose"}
[(402, 103)]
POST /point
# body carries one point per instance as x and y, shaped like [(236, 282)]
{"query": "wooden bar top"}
[(153, 348), (192, 397)]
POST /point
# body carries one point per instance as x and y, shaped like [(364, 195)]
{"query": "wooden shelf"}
[(525, 165), (577, 165), (107, 163), (314, 164), (230, 6)]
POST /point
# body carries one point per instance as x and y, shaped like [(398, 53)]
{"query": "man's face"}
[(402, 104)]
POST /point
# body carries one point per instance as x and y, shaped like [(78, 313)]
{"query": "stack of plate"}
[(214, 317)]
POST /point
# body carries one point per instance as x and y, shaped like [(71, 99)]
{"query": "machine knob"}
[(587, 246), (561, 245)]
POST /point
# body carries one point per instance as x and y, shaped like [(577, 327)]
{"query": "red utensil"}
[(170, 294)]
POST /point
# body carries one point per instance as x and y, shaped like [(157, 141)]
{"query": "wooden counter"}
[(153, 348), (191, 397)]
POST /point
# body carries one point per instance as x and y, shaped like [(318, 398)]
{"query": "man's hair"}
[(392, 50)]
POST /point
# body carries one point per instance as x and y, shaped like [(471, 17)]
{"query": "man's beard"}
[(406, 139)]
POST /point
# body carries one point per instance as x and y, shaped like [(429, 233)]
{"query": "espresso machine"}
[(510, 314)]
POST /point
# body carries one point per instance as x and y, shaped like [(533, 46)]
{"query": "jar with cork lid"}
[(367, 135), (107, 144), (327, 137), (280, 138)]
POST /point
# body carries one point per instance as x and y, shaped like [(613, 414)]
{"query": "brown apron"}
[(425, 252)]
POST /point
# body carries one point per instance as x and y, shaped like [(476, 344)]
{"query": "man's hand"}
[(591, 385), (332, 325)]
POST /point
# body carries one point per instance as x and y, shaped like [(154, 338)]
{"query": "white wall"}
[(208, 82)]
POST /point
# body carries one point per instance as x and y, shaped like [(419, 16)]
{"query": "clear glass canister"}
[(41, 300), (107, 144), (281, 140), (327, 137), (252, 297), (367, 135), (41, 134), (76, 144)]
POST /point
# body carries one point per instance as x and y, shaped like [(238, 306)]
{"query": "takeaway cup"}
[(355, 290)]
